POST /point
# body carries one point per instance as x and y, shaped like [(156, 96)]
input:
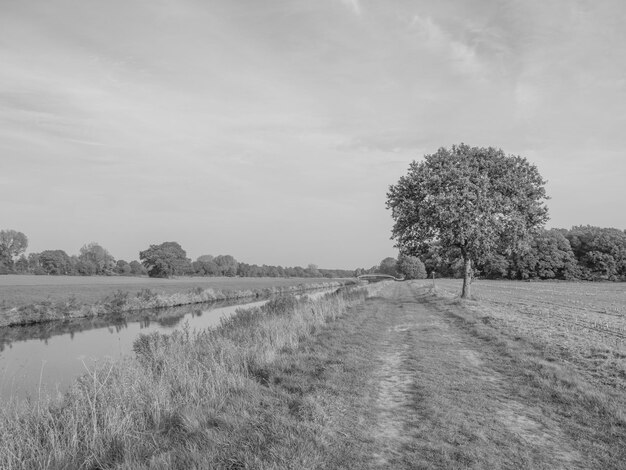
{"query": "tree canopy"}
[(388, 266), (550, 256), (411, 267), (476, 199), (99, 258), (165, 260), (601, 252), (12, 245)]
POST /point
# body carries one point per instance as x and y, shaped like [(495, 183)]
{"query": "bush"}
[(411, 267)]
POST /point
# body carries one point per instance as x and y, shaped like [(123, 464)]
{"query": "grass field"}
[(19, 290), (581, 323)]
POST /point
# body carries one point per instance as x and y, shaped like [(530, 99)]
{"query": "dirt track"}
[(442, 400)]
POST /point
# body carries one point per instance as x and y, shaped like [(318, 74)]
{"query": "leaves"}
[(475, 199), (165, 260)]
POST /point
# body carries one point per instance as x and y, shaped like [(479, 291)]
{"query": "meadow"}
[(18, 290), (35, 299), (580, 323)]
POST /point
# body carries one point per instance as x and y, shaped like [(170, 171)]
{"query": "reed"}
[(177, 404)]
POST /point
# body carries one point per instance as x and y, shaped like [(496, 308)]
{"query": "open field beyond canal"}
[(18, 290)]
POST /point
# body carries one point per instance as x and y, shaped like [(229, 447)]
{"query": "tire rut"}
[(440, 404)]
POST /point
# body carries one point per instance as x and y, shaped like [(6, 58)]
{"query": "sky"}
[(272, 130)]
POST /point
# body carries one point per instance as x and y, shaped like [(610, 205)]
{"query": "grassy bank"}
[(189, 400), (122, 301), (580, 384), (23, 289)]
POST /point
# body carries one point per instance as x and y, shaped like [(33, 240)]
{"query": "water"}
[(46, 358)]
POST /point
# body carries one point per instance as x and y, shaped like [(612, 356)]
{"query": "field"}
[(581, 323), (19, 290)]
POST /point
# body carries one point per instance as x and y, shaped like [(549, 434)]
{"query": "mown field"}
[(580, 323), (19, 290)]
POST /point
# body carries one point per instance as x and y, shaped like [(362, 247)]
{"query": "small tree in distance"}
[(476, 199), (136, 268), (165, 260), (388, 266), (12, 245), (411, 267), (99, 257)]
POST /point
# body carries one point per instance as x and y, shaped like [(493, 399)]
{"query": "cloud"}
[(354, 5), (462, 56)]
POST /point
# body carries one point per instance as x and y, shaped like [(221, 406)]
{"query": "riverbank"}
[(124, 301), (187, 400)]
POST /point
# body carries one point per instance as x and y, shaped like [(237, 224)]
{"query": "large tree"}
[(165, 260), (12, 245), (478, 200)]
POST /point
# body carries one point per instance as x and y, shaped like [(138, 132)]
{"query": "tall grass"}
[(179, 403)]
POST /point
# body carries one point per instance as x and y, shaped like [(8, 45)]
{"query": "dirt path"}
[(441, 402)]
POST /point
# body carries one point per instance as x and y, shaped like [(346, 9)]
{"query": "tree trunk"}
[(467, 279)]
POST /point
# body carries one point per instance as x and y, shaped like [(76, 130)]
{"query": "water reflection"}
[(47, 357)]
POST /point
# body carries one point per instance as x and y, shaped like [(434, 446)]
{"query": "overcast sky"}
[(271, 130)]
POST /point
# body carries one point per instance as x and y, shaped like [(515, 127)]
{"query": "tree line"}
[(475, 211), (580, 253), (164, 260)]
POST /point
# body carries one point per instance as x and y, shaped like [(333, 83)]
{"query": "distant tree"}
[(21, 265), (373, 269), (34, 266), (205, 258), (273, 271), (476, 199), (205, 266), (494, 266), (85, 268), (388, 266), (411, 267), (601, 252), (313, 270), (122, 268), (244, 270), (12, 245), (443, 262), (99, 257), (165, 260), (549, 256), (227, 265), (137, 269), (55, 262)]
